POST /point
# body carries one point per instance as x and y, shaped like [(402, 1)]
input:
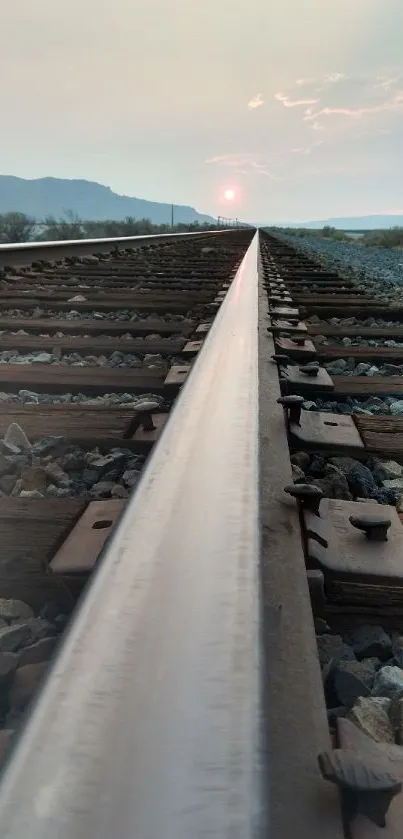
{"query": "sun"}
[(229, 194)]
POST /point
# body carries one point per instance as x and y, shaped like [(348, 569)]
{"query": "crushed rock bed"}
[(54, 467), (150, 361), (367, 265), (31, 397), (353, 367), (371, 406), (27, 644), (127, 336), (363, 678), (116, 315), (348, 479)]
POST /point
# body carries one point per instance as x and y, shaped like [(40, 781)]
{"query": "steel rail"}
[(149, 725), (23, 253)]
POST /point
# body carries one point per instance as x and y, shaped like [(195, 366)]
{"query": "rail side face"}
[(150, 721), (26, 252)]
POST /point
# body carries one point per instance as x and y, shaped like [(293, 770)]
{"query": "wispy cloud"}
[(294, 103), (302, 82), (245, 163), (256, 102), (333, 78), (385, 84), (393, 104)]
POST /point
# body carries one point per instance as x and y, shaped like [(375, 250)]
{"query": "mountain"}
[(86, 199), (374, 222)]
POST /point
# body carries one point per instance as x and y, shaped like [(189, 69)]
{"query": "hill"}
[(88, 200)]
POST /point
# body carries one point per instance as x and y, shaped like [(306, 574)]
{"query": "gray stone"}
[(373, 371), (48, 444), (30, 493), (43, 358), (11, 610), (396, 483), (388, 682), (57, 474), (36, 627), (301, 459), (362, 368), (13, 637), (131, 477), (6, 465), (337, 367), (119, 491), (102, 489), (329, 648), (369, 640), (15, 436), (397, 407), (372, 720), (344, 464), (7, 483), (346, 341), (297, 474), (334, 486)]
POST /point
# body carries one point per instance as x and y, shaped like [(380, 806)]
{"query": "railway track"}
[(234, 665)]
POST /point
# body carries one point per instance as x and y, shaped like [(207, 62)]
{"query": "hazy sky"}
[(297, 104)]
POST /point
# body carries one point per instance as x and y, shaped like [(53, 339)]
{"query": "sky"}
[(296, 106)]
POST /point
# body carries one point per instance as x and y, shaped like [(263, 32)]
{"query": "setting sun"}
[(229, 194)]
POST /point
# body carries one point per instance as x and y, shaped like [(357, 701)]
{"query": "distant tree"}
[(69, 227), (16, 227)]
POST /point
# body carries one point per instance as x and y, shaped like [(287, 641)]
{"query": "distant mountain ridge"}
[(90, 201), (372, 222)]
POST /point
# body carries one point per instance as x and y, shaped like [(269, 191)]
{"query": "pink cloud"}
[(256, 102), (294, 103)]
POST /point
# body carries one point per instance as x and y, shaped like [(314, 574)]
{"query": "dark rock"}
[(334, 486), (12, 610), (344, 464), (13, 637), (6, 465), (25, 683), (369, 641), (321, 627), (74, 460), (60, 622), (37, 628), (301, 459), (348, 653), (361, 481), (385, 496), (50, 611), (329, 648), (317, 466), (348, 685), (47, 445), (397, 649), (7, 483), (333, 714)]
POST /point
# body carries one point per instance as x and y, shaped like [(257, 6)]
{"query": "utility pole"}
[(172, 215)]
